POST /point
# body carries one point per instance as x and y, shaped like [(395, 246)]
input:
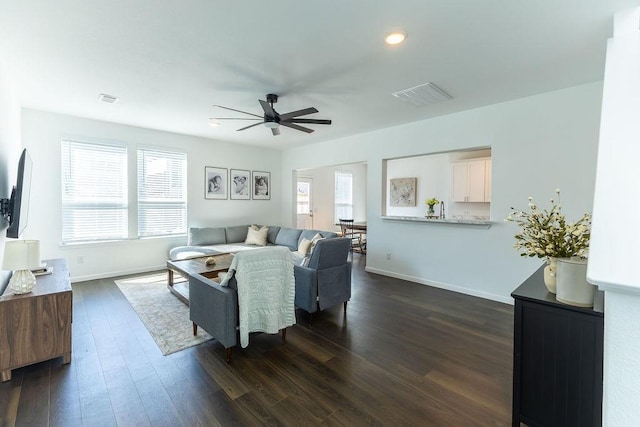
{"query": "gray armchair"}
[(326, 280), (215, 309), (258, 297)]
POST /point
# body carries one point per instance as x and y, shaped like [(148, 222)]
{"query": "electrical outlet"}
[(80, 260), (388, 255)]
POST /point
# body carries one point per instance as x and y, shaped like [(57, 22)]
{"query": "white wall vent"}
[(423, 94), (108, 98)]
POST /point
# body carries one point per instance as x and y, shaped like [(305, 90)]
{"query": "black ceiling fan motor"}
[(272, 98)]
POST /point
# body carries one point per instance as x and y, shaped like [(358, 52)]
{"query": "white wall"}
[(324, 193), (614, 251), (42, 133), (9, 149), (538, 143)]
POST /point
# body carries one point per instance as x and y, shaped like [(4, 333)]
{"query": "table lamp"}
[(21, 256)]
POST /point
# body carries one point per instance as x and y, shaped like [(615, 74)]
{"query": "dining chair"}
[(358, 243)]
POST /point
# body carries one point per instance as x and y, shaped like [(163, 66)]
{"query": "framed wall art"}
[(240, 184), (215, 183), (402, 191), (261, 185)]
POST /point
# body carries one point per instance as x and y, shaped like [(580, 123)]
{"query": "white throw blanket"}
[(266, 290)]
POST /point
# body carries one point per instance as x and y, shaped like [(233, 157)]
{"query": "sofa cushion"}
[(310, 234), (298, 258), (289, 237), (235, 247), (236, 234), (206, 236), (257, 236), (272, 234), (184, 252)]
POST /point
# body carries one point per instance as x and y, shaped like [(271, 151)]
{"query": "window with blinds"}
[(162, 193), (344, 196), (94, 192)]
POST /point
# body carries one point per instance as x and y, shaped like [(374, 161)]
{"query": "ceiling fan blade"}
[(275, 131), (233, 118), (237, 111), (293, 114), (250, 126), (313, 121), (296, 127), (268, 111)]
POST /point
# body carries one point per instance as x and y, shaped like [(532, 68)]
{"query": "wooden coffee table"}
[(190, 266)]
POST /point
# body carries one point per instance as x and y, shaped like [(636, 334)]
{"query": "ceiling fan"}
[(273, 120)]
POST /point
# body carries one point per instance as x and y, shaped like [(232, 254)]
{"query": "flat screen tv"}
[(16, 208)]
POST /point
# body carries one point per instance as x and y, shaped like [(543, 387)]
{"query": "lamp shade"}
[(21, 255)]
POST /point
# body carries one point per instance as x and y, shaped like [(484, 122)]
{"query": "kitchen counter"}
[(466, 221)]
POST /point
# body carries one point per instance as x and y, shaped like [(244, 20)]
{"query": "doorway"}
[(304, 208)]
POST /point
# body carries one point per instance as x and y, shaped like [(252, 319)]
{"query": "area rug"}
[(165, 317)]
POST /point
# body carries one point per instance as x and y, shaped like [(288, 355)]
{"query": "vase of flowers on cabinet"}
[(547, 234)]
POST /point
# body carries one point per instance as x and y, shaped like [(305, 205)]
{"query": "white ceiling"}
[(170, 61)]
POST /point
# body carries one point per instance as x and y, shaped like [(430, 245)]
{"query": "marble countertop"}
[(470, 220)]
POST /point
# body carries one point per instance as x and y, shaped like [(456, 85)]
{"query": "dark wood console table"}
[(557, 358), (35, 327)]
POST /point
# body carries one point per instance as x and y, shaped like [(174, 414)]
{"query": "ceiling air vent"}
[(108, 98), (424, 94)]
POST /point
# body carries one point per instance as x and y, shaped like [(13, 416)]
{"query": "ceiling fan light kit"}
[(273, 120)]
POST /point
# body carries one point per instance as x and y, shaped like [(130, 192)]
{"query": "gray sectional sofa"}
[(215, 240), (323, 281)]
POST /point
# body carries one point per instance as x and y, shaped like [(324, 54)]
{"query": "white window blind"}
[(344, 196), (162, 193), (94, 192)]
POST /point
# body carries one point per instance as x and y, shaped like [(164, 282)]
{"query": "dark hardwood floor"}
[(405, 354)]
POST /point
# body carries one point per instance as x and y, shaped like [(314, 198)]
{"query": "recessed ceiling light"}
[(109, 99), (214, 123), (395, 37)]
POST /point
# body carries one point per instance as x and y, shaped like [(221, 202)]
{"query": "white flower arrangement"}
[(548, 234)]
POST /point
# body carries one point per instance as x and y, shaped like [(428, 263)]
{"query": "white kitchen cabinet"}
[(472, 180), (487, 180)]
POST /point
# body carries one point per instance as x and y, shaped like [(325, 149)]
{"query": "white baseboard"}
[(446, 286), (75, 279)]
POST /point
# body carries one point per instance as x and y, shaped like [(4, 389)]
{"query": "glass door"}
[(304, 204)]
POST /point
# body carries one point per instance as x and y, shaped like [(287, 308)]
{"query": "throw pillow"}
[(305, 247), (257, 236), (315, 240)]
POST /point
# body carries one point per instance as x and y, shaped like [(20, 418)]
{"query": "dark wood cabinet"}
[(35, 327), (557, 358)]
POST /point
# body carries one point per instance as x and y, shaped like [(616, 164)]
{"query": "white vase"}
[(550, 274), (571, 283)]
